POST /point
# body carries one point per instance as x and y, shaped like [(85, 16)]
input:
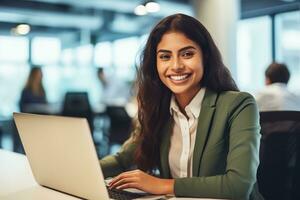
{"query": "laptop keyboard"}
[(123, 195)]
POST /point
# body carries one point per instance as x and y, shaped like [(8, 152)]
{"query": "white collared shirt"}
[(277, 97), (183, 136)]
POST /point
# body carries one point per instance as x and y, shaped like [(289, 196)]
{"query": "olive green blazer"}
[(225, 158)]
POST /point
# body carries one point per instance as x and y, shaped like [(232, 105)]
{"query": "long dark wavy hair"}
[(154, 97)]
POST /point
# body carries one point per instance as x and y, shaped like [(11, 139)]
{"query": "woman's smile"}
[(179, 78)]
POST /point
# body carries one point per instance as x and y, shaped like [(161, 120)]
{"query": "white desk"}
[(17, 182)]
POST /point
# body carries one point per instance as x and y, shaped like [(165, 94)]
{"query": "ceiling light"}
[(152, 7), (22, 29), (140, 10)]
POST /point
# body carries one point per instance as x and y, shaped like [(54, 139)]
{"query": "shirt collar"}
[(284, 85), (173, 105), (194, 106)]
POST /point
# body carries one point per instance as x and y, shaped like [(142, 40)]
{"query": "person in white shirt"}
[(115, 91), (276, 95)]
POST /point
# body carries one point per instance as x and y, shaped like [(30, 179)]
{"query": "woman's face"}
[(179, 64)]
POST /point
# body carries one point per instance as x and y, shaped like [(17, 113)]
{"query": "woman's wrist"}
[(168, 185)]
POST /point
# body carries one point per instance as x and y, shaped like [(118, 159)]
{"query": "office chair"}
[(76, 104), (9, 129), (120, 124), (279, 170)]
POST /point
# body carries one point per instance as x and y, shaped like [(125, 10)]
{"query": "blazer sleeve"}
[(242, 159), (113, 165)]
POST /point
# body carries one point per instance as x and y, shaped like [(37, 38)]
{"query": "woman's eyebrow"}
[(180, 50), (186, 48), (163, 51)]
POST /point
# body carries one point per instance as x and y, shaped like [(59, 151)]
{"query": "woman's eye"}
[(187, 54), (164, 57)]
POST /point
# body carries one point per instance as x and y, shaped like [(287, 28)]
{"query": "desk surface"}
[(17, 181)]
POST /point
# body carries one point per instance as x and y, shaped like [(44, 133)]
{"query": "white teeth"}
[(180, 77)]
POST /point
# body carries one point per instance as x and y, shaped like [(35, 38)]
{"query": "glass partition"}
[(253, 52), (288, 45)]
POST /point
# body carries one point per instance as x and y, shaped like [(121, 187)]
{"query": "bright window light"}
[(14, 49), (46, 50)]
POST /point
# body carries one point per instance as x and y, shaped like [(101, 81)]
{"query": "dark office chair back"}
[(76, 104), (120, 124), (279, 170)]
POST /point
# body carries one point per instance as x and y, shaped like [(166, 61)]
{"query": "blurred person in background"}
[(118, 100), (33, 92), (115, 91), (101, 77), (197, 135), (276, 95)]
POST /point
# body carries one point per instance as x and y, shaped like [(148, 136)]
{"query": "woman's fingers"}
[(129, 185), (143, 181), (123, 181), (124, 175)]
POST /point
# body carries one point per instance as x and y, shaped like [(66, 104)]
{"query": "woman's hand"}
[(142, 181)]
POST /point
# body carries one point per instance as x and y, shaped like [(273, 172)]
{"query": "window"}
[(253, 52), (67, 57), (45, 50), (14, 49), (125, 51), (103, 54), (13, 71), (288, 44), (12, 80), (60, 79), (84, 55)]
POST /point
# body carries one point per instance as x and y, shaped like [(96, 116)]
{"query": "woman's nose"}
[(177, 65)]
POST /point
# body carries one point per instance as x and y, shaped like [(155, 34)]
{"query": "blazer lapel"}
[(164, 150), (204, 123)]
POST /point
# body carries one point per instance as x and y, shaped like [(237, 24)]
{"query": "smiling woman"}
[(194, 127)]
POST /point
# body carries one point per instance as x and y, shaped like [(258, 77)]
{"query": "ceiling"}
[(99, 18), (94, 20), (253, 8)]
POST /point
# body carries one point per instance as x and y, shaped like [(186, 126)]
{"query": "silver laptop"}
[(62, 155)]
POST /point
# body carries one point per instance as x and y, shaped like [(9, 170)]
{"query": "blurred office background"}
[(70, 39)]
